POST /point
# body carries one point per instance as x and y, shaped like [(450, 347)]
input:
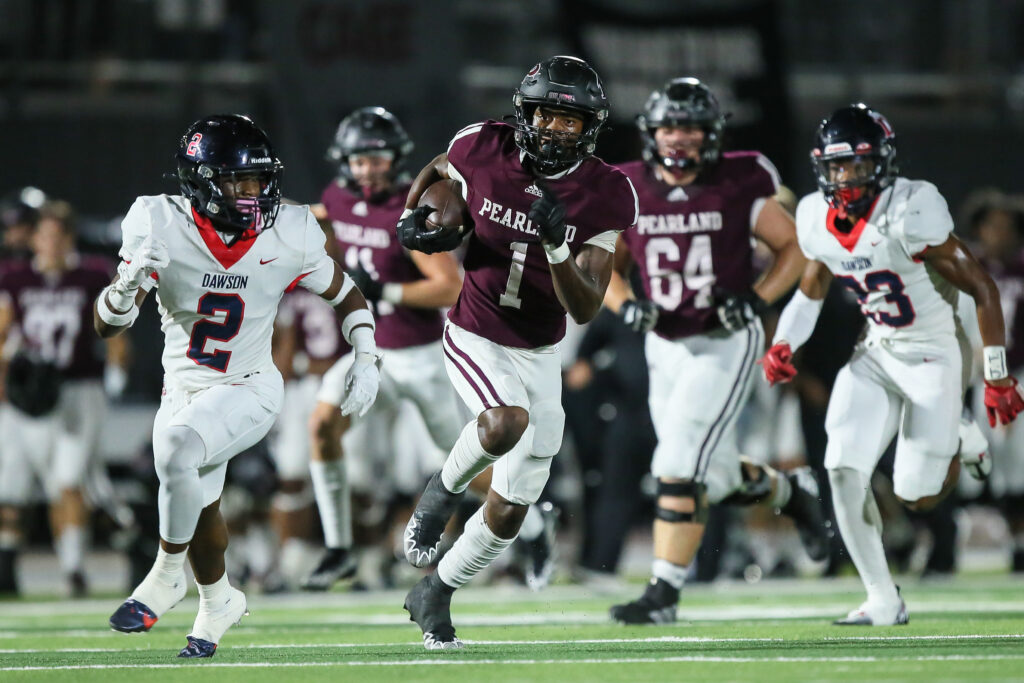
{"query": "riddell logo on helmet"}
[(837, 147), (259, 160), (562, 96)]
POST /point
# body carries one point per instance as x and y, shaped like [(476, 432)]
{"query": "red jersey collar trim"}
[(849, 240), (225, 255)]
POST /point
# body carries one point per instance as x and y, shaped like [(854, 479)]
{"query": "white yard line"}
[(581, 641), (439, 661)]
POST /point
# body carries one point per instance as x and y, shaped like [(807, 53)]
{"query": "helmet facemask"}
[(553, 151), (853, 196), (229, 213)]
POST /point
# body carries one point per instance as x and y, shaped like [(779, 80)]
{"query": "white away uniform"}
[(906, 374)]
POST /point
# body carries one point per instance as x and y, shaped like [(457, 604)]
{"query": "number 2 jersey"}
[(881, 259), (692, 239), (218, 303), (508, 296)]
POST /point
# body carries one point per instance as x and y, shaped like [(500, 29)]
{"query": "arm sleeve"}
[(927, 222), (317, 267)]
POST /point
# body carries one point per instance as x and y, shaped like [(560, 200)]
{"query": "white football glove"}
[(361, 383), (147, 259)]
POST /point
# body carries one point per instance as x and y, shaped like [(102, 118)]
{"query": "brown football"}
[(445, 197)]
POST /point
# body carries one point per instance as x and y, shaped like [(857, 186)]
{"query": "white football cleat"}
[(974, 450), (877, 614)]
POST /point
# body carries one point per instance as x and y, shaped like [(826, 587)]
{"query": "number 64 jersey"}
[(881, 259), (218, 303)]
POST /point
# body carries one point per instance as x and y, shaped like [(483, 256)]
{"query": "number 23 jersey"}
[(881, 259), (218, 303)]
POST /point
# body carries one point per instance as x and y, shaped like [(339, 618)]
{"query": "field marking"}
[(580, 641), (521, 662)]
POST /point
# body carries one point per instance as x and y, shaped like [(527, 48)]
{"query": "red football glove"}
[(1003, 402), (778, 364)]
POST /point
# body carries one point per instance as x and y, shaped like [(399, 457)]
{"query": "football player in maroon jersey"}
[(699, 208), (547, 214), (47, 302)]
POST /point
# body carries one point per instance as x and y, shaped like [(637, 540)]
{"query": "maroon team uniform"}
[(508, 296), (694, 238), (365, 231)]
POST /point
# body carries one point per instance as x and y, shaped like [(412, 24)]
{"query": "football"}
[(445, 197)]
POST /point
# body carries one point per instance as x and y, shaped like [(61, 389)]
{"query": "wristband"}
[(363, 342), (995, 363), (557, 254), (361, 316), (346, 286), (391, 292), (112, 317)]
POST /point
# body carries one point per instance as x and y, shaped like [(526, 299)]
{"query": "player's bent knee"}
[(177, 450), (502, 428), (681, 502)]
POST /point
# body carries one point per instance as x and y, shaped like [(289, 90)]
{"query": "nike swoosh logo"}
[(263, 263), (928, 360), (875, 244)]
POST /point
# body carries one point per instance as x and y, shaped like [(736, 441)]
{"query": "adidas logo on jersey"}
[(678, 195), (533, 189)]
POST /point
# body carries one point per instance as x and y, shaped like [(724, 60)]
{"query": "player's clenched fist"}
[(361, 384), (1003, 403), (778, 364), (147, 259), (548, 216)]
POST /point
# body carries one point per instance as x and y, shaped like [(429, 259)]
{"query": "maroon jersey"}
[(508, 296), (690, 240), (54, 316), (318, 330), (366, 232)]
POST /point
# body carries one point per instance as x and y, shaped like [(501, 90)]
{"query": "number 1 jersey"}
[(881, 259), (218, 303)]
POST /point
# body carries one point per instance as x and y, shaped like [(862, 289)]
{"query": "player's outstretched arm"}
[(796, 323), (775, 227), (362, 379), (638, 315), (439, 287), (111, 319), (1004, 397)]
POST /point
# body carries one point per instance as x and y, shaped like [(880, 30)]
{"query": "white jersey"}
[(880, 260), (218, 303)]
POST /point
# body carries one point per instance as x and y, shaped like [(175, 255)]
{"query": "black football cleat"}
[(422, 540), (656, 606), (337, 564), (804, 508), (197, 648), (429, 605), (132, 617)]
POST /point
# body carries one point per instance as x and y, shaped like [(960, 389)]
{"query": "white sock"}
[(861, 526), (160, 590), (673, 574), (467, 459), (70, 546), (533, 524), (330, 485), (783, 490), (213, 595), (476, 548)]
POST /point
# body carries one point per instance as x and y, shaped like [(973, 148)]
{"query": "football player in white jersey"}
[(220, 256), (889, 240)]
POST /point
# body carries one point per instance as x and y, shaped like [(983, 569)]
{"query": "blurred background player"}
[(699, 208), (405, 289), (535, 181), (52, 430), (221, 255), (890, 240)]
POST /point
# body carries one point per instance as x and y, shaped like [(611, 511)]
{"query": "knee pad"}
[(177, 449), (694, 490), (548, 421)]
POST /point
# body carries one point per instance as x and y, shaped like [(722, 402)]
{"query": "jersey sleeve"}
[(927, 222), (459, 151), (805, 216), (762, 182), (317, 267), (136, 226)]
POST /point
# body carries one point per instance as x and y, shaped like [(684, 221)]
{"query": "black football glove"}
[(639, 316), (735, 311), (415, 234), (548, 216), (371, 289)]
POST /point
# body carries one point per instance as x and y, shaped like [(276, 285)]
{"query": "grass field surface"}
[(968, 629)]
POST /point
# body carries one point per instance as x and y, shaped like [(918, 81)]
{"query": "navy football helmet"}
[(367, 130), (560, 83), (682, 102), (854, 132), (227, 148)]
